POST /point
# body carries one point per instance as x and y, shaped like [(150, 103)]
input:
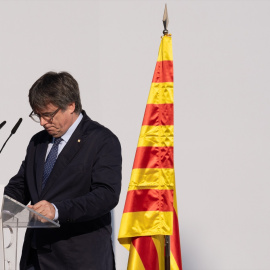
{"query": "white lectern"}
[(14, 215)]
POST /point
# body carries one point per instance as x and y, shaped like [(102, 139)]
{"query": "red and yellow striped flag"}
[(150, 210)]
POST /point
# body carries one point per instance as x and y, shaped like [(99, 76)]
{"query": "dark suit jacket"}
[(84, 185)]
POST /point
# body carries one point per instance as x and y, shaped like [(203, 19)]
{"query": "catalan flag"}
[(150, 210)]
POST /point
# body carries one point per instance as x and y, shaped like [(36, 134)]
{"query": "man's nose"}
[(42, 121)]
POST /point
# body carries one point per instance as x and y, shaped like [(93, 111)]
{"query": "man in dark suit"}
[(71, 174)]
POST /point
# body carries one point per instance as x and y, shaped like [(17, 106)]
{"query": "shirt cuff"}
[(56, 213)]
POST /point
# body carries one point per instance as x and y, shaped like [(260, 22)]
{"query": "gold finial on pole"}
[(165, 21)]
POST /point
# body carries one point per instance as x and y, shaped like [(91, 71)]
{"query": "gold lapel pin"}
[(79, 140)]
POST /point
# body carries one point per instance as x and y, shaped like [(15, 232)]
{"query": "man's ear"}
[(71, 107)]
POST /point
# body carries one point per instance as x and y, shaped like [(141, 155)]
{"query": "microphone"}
[(16, 126), (2, 124), (12, 131)]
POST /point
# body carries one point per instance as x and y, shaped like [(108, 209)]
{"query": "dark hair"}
[(60, 89)]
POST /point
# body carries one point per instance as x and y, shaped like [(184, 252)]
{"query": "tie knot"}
[(57, 141)]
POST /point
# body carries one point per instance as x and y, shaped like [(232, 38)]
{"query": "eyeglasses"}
[(46, 116)]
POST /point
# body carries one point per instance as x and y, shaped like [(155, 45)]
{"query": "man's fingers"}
[(39, 204), (45, 208)]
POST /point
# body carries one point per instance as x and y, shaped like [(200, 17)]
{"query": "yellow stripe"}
[(134, 260), (145, 223), (165, 49), (161, 93), (125, 242), (173, 263), (159, 136), (175, 202), (159, 243), (155, 178)]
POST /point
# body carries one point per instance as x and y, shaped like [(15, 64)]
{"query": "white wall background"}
[(222, 64)]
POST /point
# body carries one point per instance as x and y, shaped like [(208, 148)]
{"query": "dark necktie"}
[(50, 161)]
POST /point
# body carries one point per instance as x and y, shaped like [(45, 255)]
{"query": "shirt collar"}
[(71, 129)]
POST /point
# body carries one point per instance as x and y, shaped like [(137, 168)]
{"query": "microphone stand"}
[(5, 142), (12, 132)]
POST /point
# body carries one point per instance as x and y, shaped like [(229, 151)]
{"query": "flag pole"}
[(167, 253), (167, 237)]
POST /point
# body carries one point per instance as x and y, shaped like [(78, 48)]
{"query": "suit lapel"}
[(67, 154)]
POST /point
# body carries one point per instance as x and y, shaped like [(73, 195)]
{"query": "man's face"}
[(60, 122)]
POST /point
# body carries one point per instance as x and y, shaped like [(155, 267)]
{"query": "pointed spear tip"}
[(165, 21)]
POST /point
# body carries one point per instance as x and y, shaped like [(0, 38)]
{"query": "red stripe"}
[(163, 72), (175, 241), (147, 252), (149, 200), (158, 114), (153, 157)]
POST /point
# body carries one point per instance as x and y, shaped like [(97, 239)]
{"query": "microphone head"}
[(2, 124), (16, 126)]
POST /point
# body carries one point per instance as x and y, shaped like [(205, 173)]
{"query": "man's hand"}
[(45, 208)]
